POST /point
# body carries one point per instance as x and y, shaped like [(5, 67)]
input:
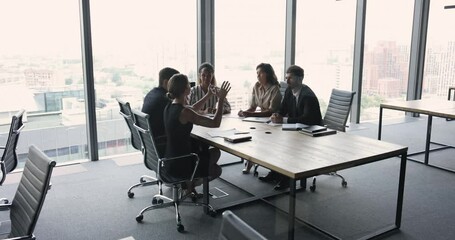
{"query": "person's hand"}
[(212, 90), (276, 118), (223, 90)]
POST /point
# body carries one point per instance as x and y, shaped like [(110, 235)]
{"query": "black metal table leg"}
[(291, 218), (380, 123), (427, 143)]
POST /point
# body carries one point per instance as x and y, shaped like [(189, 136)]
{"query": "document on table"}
[(226, 132)]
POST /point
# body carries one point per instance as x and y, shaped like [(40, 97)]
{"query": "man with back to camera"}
[(154, 103), (299, 105)]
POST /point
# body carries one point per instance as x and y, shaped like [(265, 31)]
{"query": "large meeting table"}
[(299, 156), (430, 107)]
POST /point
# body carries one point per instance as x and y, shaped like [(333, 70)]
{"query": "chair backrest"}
[(142, 125), (232, 227), (125, 111), (31, 192), (338, 109), (8, 162)]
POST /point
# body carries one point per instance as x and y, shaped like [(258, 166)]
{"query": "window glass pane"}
[(41, 72), (324, 45), (131, 43), (247, 33), (439, 68), (386, 61)]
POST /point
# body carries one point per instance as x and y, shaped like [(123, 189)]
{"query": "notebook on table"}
[(238, 138), (319, 133), (303, 127), (257, 119)]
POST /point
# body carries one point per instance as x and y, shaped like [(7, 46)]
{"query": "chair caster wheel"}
[(160, 201), (130, 194), (194, 198), (154, 201), (180, 228), (139, 218), (255, 173), (344, 183), (142, 180), (212, 213)]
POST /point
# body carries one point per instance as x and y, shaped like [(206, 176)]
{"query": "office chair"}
[(8, 162), (28, 201), (125, 111), (234, 228), (336, 117), (171, 171)]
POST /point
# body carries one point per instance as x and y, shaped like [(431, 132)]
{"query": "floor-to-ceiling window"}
[(324, 45), (386, 57), (247, 33), (439, 70), (41, 72), (132, 41)]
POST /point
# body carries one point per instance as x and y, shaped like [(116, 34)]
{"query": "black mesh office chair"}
[(125, 111), (234, 228), (172, 171), (8, 162), (336, 117), (28, 201)]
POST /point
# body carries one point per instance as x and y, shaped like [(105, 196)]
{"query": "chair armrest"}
[(5, 206), (178, 169), (20, 129)]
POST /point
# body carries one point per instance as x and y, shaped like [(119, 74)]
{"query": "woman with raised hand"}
[(179, 119), (206, 81)]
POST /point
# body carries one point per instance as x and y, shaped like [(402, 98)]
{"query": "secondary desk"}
[(430, 107), (299, 157)]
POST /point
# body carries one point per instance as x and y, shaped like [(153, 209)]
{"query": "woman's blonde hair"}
[(177, 85)]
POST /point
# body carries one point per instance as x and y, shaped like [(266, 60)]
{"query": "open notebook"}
[(303, 127)]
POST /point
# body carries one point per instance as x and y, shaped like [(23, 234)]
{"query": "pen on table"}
[(241, 133), (268, 121)]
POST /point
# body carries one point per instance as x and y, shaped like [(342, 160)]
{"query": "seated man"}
[(299, 105), (154, 103)]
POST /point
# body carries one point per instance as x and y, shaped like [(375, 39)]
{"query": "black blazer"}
[(307, 109)]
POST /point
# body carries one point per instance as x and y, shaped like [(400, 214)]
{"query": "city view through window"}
[(41, 63)]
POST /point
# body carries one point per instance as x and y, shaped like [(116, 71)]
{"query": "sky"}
[(53, 27)]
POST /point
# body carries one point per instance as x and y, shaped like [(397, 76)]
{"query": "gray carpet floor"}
[(89, 200)]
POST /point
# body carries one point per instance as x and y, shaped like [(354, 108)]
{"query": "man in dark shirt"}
[(156, 100), (299, 105)]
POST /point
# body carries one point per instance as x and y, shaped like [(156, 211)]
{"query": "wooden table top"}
[(297, 155), (434, 107)]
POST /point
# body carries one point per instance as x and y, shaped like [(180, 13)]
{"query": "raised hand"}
[(223, 90)]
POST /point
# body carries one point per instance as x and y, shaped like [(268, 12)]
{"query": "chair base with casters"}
[(144, 180), (344, 183), (161, 201), (168, 173)]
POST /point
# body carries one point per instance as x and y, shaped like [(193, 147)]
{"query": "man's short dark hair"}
[(296, 71), (165, 74)]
